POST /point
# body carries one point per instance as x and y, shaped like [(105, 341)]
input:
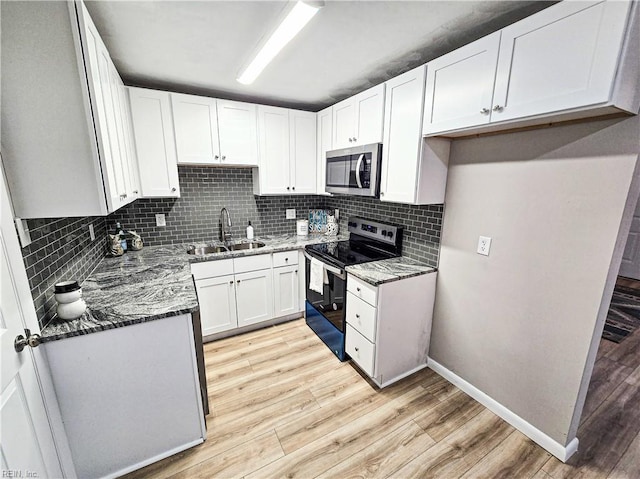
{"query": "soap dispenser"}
[(250, 231)]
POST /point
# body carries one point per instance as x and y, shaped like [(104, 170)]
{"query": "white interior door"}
[(630, 266), (26, 438)]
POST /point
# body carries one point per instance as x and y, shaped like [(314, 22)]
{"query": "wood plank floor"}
[(283, 406)]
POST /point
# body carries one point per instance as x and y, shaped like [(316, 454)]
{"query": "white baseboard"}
[(554, 447)]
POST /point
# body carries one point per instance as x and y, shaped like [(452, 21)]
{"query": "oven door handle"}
[(358, 164), (338, 272)]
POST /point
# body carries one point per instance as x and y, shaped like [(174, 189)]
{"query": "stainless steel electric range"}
[(368, 241)]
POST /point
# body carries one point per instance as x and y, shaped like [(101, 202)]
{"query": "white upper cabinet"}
[(460, 86), (569, 61), (358, 120), (195, 122), (237, 130), (71, 102), (214, 132), (287, 145), (324, 139), (414, 170), (302, 159), (155, 145), (561, 58)]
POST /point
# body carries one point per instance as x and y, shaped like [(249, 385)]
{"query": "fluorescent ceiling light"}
[(297, 18)]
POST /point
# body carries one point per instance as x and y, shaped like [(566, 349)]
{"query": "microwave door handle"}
[(338, 272), (358, 165)]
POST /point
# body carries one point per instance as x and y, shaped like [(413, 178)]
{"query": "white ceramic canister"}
[(302, 227), (68, 295)]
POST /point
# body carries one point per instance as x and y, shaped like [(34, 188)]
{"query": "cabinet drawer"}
[(251, 263), (362, 290), (361, 350), (362, 316), (211, 269), (285, 258)]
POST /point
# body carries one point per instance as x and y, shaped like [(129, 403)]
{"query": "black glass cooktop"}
[(348, 252)]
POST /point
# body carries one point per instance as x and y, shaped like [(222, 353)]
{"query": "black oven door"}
[(325, 313)]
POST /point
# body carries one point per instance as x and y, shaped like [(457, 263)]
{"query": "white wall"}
[(518, 324)]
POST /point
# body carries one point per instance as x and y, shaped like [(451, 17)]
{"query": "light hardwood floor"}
[(283, 406)]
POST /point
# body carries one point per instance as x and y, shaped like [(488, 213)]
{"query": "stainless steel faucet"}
[(225, 234)]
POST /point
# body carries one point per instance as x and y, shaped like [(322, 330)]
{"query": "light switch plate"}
[(484, 245), (92, 234), (23, 232), (160, 220), (290, 213)]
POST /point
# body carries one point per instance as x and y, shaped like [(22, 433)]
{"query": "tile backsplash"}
[(60, 250), (204, 191)]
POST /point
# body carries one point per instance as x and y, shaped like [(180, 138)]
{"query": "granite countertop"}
[(153, 283), (387, 270)]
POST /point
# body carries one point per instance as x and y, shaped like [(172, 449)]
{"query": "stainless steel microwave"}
[(355, 170)]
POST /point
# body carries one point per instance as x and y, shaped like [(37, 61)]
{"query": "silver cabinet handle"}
[(485, 111), (498, 108)]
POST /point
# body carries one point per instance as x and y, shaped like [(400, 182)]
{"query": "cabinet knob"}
[(286, 259), (358, 290), (498, 108), (216, 157), (293, 188), (485, 111), (288, 188), (357, 316), (135, 192), (355, 139), (296, 271), (173, 190), (231, 282), (224, 157), (357, 349), (238, 281), (382, 193), (350, 140)]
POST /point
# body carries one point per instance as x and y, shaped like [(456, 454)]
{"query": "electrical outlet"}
[(160, 220), (290, 213), (92, 234), (337, 214), (484, 245)]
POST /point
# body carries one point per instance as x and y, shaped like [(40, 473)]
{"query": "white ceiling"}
[(200, 46)]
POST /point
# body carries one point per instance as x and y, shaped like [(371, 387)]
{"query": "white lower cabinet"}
[(389, 326), (254, 296), (217, 298), (237, 292), (285, 290)]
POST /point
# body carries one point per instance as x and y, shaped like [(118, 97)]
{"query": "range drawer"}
[(361, 350), (244, 264), (362, 316), (212, 269), (285, 258), (362, 290)]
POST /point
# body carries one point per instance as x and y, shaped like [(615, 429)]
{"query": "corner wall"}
[(518, 324)]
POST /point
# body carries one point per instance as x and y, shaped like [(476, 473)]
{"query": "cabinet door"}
[(217, 300), (324, 138), (97, 67), (134, 184), (402, 136), (369, 116), (254, 296), (273, 134), (285, 290), (155, 147), (560, 58), (302, 161), (460, 86), (196, 129), (238, 133), (344, 118), (125, 173)]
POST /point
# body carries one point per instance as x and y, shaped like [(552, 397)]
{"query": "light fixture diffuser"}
[(295, 21)]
